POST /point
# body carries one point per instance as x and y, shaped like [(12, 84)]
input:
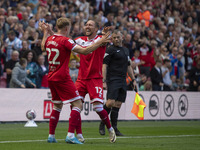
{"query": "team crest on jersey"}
[(106, 54), (77, 92)]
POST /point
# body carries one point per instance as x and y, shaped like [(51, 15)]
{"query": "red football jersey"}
[(91, 64), (58, 50)]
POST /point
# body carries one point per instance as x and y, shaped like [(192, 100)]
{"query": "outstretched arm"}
[(105, 38)]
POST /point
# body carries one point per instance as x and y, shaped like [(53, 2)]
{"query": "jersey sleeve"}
[(108, 55), (70, 44)]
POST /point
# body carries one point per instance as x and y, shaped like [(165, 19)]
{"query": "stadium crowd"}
[(163, 38)]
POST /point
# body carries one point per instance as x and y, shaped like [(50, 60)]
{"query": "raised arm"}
[(47, 32)]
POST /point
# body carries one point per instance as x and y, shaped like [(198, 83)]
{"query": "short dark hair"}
[(11, 32), (116, 31)]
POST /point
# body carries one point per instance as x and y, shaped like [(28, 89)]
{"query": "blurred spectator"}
[(108, 5), (128, 43), (196, 55), (187, 54), (175, 62), (148, 86), (145, 15), (83, 6), (10, 64), (164, 52), (110, 21), (75, 56), (194, 77), (156, 76), (160, 39), (73, 71), (32, 67), (49, 20), (19, 75), (4, 27), (115, 7), (42, 78), (12, 43), (166, 75), (37, 47), (136, 59), (145, 55), (25, 47), (35, 4), (182, 59), (71, 13), (174, 83), (33, 36), (2, 57), (142, 79), (25, 20), (100, 5)]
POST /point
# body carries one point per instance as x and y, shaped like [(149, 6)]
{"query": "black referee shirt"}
[(117, 60)]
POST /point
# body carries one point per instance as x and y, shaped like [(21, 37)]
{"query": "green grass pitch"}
[(139, 135)]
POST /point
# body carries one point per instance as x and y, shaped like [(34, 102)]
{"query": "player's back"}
[(90, 64), (58, 50)]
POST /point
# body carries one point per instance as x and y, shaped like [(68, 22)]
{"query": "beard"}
[(88, 33)]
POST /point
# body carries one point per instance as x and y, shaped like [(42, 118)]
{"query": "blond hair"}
[(62, 23)]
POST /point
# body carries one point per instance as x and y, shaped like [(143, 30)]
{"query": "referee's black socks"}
[(114, 116)]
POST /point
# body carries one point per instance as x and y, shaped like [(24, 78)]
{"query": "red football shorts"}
[(63, 91), (92, 86)]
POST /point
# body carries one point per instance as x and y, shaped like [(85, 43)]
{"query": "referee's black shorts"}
[(116, 89)]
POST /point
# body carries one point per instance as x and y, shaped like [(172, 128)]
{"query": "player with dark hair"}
[(116, 64), (59, 47)]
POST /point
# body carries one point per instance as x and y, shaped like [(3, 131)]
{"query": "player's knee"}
[(110, 103), (58, 106), (78, 104), (118, 104), (98, 108)]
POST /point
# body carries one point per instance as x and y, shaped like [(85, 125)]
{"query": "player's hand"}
[(42, 25), (105, 30), (45, 27), (106, 37)]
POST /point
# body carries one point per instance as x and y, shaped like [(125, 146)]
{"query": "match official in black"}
[(116, 64)]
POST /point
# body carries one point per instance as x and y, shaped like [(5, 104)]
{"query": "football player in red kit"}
[(90, 73), (59, 47)]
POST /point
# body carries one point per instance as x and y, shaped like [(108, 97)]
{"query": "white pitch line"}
[(125, 137)]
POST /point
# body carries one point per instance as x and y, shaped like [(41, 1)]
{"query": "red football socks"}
[(55, 114), (104, 117), (75, 120)]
